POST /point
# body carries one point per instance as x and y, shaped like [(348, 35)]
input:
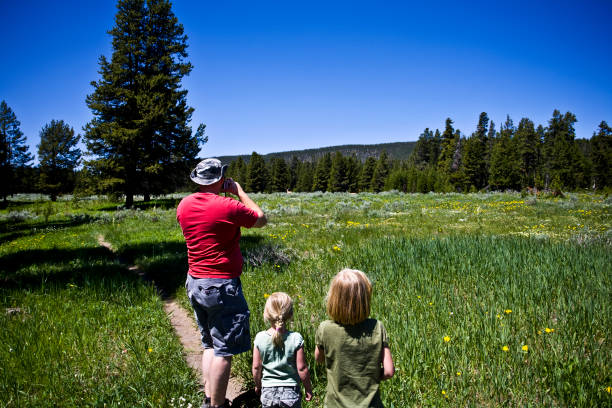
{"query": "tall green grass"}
[(78, 329), (452, 306), (482, 294)]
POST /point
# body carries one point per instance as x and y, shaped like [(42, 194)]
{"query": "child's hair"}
[(278, 310), (348, 299)]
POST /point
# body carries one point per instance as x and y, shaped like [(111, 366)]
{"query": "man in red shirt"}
[(211, 227)]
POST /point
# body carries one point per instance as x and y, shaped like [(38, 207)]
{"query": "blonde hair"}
[(278, 310), (348, 298)]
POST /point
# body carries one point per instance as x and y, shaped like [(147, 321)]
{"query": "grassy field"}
[(488, 299)]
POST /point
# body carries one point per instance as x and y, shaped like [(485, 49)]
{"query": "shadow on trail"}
[(162, 264), (49, 268)]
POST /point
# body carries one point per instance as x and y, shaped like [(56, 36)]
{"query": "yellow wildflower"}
[(609, 390), (505, 348), (266, 295), (507, 311), (525, 348), (458, 373), (150, 349), (446, 339), (336, 248), (547, 330)]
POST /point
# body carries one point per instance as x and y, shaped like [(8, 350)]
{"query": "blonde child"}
[(278, 357), (353, 347)]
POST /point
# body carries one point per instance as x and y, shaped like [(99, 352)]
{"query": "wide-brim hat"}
[(208, 172)]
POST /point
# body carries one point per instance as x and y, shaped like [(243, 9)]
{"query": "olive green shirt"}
[(353, 358)]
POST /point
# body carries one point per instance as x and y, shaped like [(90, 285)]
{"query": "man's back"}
[(211, 227)]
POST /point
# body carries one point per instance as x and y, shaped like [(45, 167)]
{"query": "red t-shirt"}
[(211, 227)]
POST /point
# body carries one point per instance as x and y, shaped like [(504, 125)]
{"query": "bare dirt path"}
[(187, 332)]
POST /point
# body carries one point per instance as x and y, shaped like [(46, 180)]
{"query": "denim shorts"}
[(222, 314), (281, 397)]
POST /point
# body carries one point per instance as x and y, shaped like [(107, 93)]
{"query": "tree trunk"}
[(147, 197), (129, 199)]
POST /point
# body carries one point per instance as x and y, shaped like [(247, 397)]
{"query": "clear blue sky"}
[(276, 76)]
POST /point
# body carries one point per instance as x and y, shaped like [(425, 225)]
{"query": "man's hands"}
[(230, 186)]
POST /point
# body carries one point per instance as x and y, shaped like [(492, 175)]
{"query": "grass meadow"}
[(488, 299)]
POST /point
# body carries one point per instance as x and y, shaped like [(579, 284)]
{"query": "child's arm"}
[(257, 366), (302, 368), (319, 354), (387, 362)]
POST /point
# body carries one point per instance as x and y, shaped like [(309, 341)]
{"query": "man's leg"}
[(207, 357), (216, 373)]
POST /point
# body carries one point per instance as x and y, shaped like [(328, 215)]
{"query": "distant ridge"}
[(395, 151)]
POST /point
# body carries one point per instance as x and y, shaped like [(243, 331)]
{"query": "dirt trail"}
[(187, 332)]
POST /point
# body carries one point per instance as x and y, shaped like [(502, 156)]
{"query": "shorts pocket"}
[(209, 298), (238, 336), (267, 397), (290, 399)]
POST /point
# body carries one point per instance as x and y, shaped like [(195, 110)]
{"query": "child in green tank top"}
[(278, 358), (354, 348)]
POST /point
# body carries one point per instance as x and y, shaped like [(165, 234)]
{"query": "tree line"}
[(139, 141), (513, 158)]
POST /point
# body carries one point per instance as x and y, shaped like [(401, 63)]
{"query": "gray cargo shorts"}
[(222, 314)]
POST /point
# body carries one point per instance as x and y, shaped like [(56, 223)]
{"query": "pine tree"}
[(527, 145), (474, 161), (305, 177), (421, 155), (381, 171), (367, 171), (237, 171), (279, 181), (447, 148), (293, 172), (338, 177), (457, 175), (472, 156), (58, 156), (601, 156), (257, 179), (560, 151), (540, 167), (505, 163), (140, 138), (321, 175), (14, 154), (435, 147), (353, 171), (491, 139)]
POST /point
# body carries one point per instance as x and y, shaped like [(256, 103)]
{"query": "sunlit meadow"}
[(488, 299)]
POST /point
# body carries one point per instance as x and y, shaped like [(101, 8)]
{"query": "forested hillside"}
[(511, 158), (395, 151)]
